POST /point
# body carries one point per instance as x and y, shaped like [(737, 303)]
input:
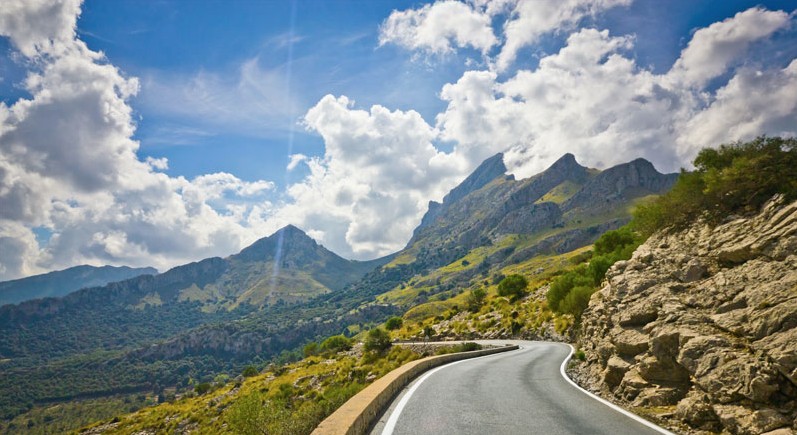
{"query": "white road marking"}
[(391, 422), (606, 402)]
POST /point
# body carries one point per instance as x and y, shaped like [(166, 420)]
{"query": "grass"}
[(560, 193), (299, 395)]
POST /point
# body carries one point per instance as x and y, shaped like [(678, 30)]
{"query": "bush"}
[(569, 293), (335, 344), (513, 286), (310, 349), (734, 178), (377, 340), (202, 388), (249, 371), (393, 323), (475, 299)]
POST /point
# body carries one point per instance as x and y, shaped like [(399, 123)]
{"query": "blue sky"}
[(317, 48), (159, 132)]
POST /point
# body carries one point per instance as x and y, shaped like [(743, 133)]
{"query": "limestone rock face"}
[(702, 325)]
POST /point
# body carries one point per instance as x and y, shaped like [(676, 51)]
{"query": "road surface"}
[(516, 392)]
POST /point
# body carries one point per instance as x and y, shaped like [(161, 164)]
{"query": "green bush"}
[(202, 388), (569, 293), (475, 299), (377, 340), (310, 349), (393, 323), (249, 371), (513, 286), (335, 344)]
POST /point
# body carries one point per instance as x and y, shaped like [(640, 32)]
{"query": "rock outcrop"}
[(699, 327)]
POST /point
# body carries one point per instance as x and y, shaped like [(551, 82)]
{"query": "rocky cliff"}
[(699, 328)]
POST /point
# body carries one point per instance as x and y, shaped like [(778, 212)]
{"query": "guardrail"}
[(357, 415)]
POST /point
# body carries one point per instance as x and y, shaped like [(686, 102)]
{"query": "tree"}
[(393, 323), (310, 349), (335, 344), (428, 331), (475, 299), (513, 286), (377, 340), (202, 388), (249, 371)]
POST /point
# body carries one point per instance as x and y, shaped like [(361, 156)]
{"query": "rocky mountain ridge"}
[(490, 205), (700, 326)]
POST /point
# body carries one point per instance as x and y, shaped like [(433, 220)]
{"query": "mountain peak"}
[(568, 164), (290, 229), (486, 172)]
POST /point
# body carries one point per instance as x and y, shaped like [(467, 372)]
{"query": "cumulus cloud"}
[(68, 163), (438, 28), (40, 26), (366, 194), (532, 19), (712, 49)]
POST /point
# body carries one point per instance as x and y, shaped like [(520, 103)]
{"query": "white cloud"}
[(294, 160), (160, 164), (68, 163), (39, 26), (366, 194), (445, 25), (752, 103), (532, 19), (712, 49), (438, 28)]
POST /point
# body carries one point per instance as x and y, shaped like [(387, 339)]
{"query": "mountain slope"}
[(560, 209), (287, 266), (63, 282)]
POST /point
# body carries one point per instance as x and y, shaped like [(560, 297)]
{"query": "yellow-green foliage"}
[(560, 193), (287, 400)]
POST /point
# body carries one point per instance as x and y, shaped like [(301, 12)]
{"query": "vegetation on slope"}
[(286, 399), (732, 179)]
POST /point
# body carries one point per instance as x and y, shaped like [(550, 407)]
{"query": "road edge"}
[(357, 415), (611, 405)]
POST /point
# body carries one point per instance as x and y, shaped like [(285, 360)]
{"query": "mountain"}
[(219, 314), (76, 336), (562, 208), (63, 282)]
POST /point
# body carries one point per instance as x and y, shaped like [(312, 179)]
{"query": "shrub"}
[(249, 371), (475, 299), (310, 349), (393, 323), (569, 293), (335, 344), (377, 340), (202, 388), (513, 286)]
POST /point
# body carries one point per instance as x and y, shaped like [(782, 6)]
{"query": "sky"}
[(162, 132)]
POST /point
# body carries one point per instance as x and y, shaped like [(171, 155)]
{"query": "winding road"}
[(516, 392)]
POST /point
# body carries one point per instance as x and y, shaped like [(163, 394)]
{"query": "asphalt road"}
[(516, 392)]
